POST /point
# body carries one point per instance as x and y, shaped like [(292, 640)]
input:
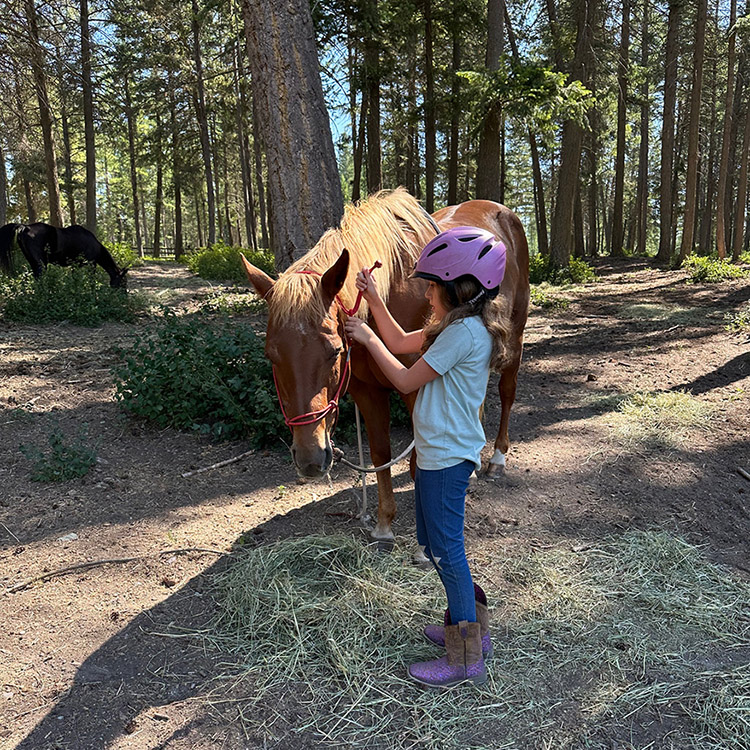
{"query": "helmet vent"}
[(437, 249), (469, 238), (484, 251)]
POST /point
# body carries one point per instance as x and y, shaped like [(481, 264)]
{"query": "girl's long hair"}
[(472, 299)]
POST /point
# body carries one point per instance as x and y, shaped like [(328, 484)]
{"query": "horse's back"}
[(506, 226)]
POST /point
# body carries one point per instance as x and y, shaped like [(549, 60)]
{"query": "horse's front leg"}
[(374, 404)]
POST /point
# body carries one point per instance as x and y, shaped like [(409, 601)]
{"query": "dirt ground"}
[(95, 658)]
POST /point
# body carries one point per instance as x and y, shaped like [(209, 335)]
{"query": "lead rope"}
[(339, 456)]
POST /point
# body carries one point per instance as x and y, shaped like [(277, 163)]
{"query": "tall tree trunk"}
[(304, 188), (707, 215), (618, 251), (691, 179), (88, 118), (572, 140), (740, 205), (359, 150), (67, 158), (642, 193), (593, 244), (133, 170), (372, 86), (536, 168), (734, 145), (45, 116), (227, 216), (721, 190), (3, 187), (455, 104), (30, 205), (248, 199), (159, 202), (488, 158), (144, 221), (261, 189), (213, 143), (176, 176), (200, 113), (429, 111), (666, 207), (578, 242)]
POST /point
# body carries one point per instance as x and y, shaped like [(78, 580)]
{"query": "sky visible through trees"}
[(610, 127)]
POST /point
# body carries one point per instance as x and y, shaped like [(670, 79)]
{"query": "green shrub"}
[(64, 460), (738, 321), (211, 377), (221, 262), (541, 297), (79, 295), (124, 254), (711, 270), (577, 272), (234, 304)]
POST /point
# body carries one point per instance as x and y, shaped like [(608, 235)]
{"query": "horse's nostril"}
[(328, 459)]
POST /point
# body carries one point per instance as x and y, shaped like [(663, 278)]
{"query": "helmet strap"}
[(476, 297)]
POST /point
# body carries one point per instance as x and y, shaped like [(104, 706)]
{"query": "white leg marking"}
[(498, 458)]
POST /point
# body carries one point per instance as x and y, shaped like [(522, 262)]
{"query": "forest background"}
[(610, 127)]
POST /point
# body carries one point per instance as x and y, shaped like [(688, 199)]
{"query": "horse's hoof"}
[(382, 536), (385, 546), (494, 471), (496, 465)]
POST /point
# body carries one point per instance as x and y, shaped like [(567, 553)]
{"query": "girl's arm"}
[(405, 379), (396, 339)]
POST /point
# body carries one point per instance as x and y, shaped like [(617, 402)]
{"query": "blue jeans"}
[(440, 499)]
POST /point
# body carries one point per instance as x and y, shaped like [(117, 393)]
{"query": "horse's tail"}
[(7, 239)]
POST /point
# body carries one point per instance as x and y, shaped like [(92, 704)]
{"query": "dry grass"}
[(660, 418), (591, 643)]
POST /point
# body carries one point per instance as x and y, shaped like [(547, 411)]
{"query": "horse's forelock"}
[(390, 226)]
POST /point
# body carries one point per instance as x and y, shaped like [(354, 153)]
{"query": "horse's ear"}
[(262, 283), (334, 278)]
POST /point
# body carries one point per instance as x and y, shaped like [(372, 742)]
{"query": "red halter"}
[(312, 417)]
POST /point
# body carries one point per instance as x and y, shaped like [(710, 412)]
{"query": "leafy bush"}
[(221, 262), (711, 269), (124, 254), (739, 321), (79, 295), (64, 460), (204, 376), (541, 297), (541, 270), (226, 304)]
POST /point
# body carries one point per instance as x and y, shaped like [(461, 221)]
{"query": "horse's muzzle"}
[(313, 463)]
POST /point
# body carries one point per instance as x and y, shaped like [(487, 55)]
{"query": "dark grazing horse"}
[(42, 244)]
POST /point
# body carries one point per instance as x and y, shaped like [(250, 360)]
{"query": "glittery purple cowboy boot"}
[(436, 633), (463, 661)]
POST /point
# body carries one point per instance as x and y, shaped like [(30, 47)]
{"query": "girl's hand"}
[(357, 330), (365, 282)]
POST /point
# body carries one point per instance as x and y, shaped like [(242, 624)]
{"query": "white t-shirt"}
[(447, 428)]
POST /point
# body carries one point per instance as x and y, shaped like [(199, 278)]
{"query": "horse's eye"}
[(336, 353)]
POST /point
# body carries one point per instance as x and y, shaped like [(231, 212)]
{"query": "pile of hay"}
[(638, 637)]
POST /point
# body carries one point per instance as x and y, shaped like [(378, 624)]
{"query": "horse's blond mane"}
[(390, 226)]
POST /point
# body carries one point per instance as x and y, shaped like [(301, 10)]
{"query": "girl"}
[(463, 340)]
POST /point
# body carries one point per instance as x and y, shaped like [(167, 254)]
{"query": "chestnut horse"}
[(307, 306)]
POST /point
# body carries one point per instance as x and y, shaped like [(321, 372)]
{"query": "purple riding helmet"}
[(463, 251)]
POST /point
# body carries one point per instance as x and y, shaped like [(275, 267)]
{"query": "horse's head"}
[(306, 346), (120, 279)]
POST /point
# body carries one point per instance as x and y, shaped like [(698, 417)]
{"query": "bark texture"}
[(304, 190)]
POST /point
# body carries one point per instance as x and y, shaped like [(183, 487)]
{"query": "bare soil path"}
[(96, 658)]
